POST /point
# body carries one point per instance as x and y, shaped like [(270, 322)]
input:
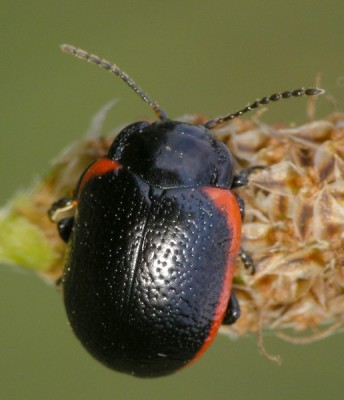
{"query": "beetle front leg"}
[(60, 213)]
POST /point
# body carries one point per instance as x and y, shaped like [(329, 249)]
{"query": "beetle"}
[(153, 235)]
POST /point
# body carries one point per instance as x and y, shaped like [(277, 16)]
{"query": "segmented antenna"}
[(265, 100), (93, 59)]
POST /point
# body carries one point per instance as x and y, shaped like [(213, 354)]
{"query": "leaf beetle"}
[(152, 241)]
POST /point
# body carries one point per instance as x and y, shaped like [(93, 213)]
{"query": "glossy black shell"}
[(148, 252), (172, 154)]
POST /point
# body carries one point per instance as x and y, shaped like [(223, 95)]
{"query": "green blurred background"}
[(193, 57)]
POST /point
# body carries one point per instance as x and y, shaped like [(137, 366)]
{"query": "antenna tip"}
[(314, 91), (67, 48), (79, 53)]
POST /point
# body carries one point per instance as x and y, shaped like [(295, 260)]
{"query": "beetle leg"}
[(247, 260), (62, 212), (59, 281), (65, 227), (233, 311), (241, 205), (242, 177), (60, 207)]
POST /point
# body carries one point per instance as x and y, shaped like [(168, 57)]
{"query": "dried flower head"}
[(293, 228)]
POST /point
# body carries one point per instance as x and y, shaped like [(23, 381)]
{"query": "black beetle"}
[(153, 240)]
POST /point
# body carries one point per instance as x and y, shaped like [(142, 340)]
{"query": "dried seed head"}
[(294, 223), (294, 226)]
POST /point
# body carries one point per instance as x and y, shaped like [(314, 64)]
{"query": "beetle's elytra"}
[(152, 242)]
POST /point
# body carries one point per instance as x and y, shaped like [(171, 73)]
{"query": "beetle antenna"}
[(265, 100), (93, 59)]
